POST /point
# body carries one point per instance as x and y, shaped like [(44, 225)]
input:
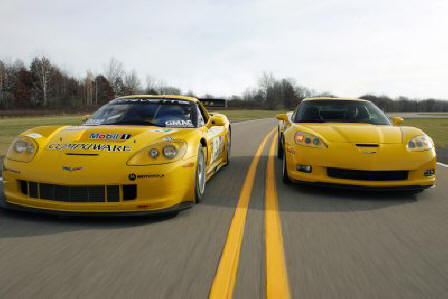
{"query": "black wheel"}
[(200, 176), (280, 149), (285, 177), (228, 147)]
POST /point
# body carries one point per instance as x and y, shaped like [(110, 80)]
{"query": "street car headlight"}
[(420, 144), (23, 149), (307, 139), (159, 153)]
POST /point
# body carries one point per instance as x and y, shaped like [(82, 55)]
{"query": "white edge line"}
[(442, 164)]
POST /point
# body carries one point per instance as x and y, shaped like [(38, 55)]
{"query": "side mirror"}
[(283, 117), (85, 118), (397, 121), (217, 121)]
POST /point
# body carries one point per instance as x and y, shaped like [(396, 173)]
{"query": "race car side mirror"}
[(84, 118), (217, 121), (397, 121), (283, 117)]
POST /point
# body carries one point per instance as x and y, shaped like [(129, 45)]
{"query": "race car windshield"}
[(149, 112), (340, 111)]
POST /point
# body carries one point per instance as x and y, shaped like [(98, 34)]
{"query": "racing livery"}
[(137, 154), (351, 143)]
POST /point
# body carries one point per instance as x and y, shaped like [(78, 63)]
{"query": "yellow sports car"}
[(135, 155), (351, 143)]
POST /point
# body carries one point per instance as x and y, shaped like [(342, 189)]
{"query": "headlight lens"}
[(420, 144), (159, 153), (22, 150), (307, 139), (169, 151)]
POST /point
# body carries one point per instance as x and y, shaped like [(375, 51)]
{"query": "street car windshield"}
[(150, 112), (340, 111)]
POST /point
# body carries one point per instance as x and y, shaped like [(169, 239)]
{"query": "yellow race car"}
[(135, 155), (351, 143)]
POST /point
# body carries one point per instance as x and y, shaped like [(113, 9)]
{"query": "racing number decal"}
[(217, 147)]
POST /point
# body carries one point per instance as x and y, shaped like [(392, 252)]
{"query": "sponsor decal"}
[(179, 123), (34, 135), (133, 176), (109, 136), (90, 147), (71, 169), (164, 130)]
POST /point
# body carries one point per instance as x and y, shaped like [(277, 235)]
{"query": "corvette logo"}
[(71, 169)]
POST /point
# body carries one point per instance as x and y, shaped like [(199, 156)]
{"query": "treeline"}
[(43, 85), (273, 93)]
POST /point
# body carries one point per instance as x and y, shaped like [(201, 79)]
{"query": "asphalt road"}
[(337, 244)]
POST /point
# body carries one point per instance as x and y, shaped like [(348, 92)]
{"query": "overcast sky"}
[(347, 47)]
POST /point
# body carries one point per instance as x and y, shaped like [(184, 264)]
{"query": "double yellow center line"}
[(276, 276)]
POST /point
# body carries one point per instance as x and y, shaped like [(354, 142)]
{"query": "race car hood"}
[(360, 133), (103, 139)]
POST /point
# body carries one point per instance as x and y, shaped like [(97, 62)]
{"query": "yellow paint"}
[(342, 151), (224, 281), (161, 183), (277, 285)]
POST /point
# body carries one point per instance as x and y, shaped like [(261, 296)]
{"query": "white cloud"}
[(221, 47)]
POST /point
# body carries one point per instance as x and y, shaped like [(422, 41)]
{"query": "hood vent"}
[(367, 145)]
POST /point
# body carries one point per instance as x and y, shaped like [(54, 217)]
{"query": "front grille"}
[(363, 175), (96, 193)]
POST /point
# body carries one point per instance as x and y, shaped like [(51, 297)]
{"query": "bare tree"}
[(88, 82), (131, 82), (114, 72), (41, 68), (3, 75)]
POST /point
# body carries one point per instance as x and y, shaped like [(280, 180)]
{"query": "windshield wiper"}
[(311, 121), (131, 122)]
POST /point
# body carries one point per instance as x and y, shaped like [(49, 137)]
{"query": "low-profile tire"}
[(285, 177), (280, 149), (200, 176), (228, 147)]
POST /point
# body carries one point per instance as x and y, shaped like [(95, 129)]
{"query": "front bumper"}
[(159, 188), (347, 156)]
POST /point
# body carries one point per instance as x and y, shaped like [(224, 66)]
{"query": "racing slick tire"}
[(200, 176), (229, 145)]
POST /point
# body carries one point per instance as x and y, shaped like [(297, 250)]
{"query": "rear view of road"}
[(334, 243)]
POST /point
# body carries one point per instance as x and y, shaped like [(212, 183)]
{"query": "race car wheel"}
[(229, 144), (279, 147), (285, 177), (201, 178)]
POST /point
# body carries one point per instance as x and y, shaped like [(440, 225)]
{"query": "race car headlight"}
[(307, 139), (23, 149), (159, 153), (420, 144)]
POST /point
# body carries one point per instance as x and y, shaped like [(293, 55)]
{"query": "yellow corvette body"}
[(350, 143), (117, 168)]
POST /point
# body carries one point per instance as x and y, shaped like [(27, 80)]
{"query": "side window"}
[(201, 121), (202, 114)]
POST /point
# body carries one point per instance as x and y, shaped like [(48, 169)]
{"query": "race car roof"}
[(328, 98)]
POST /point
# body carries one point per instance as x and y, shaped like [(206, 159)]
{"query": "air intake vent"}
[(367, 145), (363, 175)]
